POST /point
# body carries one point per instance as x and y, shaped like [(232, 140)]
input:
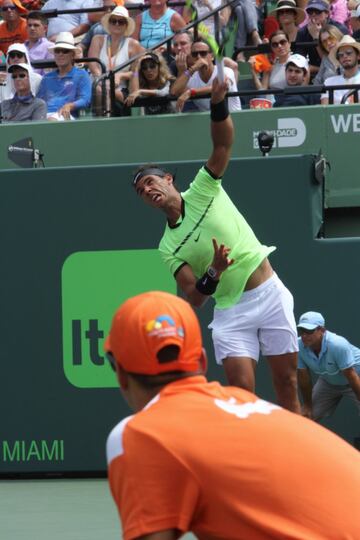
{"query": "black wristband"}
[(219, 111), (206, 285)]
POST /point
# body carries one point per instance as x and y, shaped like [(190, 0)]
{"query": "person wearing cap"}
[(211, 459), (333, 359), (347, 53), (37, 43), (67, 89), (13, 26), (17, 53), (197, 79), (211, 251), (76, 23), (23, 106), (289, 17), (296, 73), (319, 15), (114, 49)]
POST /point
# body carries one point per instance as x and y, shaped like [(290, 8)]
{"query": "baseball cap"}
[(21, 65), (320, 5), (299, 60), (311, 320), (147, 323)]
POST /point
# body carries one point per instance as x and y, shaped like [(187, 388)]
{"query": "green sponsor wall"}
[(334, 130), (76, 242)]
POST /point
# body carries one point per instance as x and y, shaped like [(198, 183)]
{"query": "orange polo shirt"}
[(226, 465), (19, 35)]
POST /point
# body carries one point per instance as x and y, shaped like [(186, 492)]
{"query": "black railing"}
[(289, 90), (52, 13)]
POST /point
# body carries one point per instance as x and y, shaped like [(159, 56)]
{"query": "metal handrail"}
[(290, 90), (52, 13), (39, 64), (351, 92)]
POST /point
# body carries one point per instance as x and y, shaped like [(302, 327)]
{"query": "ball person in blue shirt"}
[(333, 359)]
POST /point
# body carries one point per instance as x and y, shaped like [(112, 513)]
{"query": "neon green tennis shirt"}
[(208, 213)]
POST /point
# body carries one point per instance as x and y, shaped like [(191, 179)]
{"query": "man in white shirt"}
[(76, 23), (197, 79), (347, 53)]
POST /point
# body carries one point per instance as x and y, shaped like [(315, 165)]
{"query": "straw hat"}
[(289, 4), (119, 11), (64, 40), (346, 41)]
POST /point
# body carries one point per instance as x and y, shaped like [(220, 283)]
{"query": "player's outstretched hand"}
[(218, 91), (221, 260)]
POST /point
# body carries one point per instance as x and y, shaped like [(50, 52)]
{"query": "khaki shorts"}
[(262, 321)]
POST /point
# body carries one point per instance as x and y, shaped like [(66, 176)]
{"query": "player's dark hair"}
[(143, 168)]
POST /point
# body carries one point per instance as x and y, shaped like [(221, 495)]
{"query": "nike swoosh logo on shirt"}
[(197, 239)]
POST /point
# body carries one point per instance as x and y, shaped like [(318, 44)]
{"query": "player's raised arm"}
[(222, 130)]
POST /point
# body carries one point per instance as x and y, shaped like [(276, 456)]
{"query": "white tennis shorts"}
[(262, 321)]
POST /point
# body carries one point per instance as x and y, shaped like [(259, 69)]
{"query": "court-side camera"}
[(266, 141)]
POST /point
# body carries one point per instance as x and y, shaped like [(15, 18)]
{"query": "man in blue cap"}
[(319, 13), (333, 359)]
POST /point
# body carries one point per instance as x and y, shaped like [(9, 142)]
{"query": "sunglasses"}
[(306, 332), (18, 76), (16, 54), (149, 65), (109, 357), (8, 8), (281, 43), (118, 22), (326, 39), (195, 54), (62, 51), (287, 11), (341, 54)]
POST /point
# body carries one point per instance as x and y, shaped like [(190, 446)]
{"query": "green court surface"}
[(58, 509)]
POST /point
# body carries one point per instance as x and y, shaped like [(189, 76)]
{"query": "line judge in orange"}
[(217, 461)]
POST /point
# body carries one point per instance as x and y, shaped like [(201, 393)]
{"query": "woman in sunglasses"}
[(151, 78), (289, 16), (17, 54), (114, 49), (280, 53), (329, 37)]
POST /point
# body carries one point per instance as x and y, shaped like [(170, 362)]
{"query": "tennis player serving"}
[(212, 251)]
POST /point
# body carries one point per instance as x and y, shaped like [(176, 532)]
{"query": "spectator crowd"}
[(301, 43)]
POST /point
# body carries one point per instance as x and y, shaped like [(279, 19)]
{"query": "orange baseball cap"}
[(145, 324)]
